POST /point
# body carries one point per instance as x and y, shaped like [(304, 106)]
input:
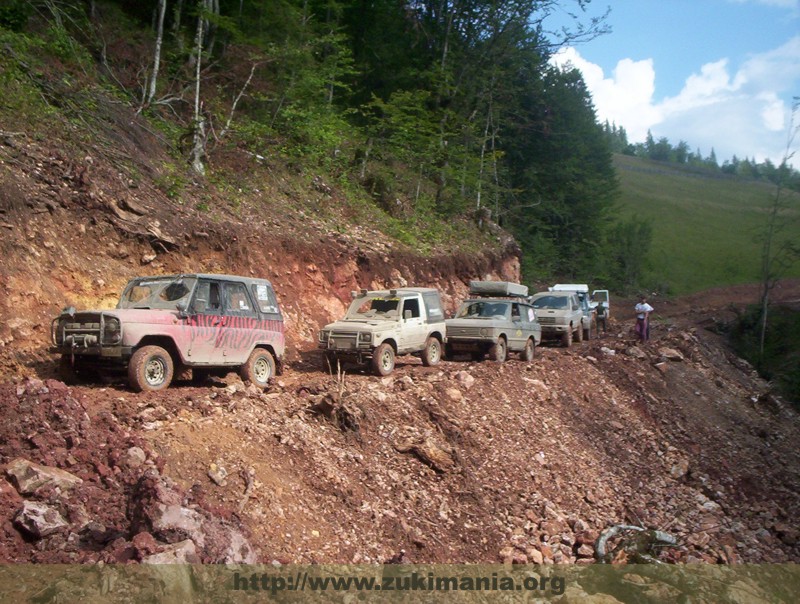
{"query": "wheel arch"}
[(390, 341), (438, 335), (167, 343)]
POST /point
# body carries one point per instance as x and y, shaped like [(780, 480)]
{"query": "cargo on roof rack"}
[(497, 288)]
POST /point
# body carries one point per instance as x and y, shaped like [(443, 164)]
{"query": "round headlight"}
[(111, 330)]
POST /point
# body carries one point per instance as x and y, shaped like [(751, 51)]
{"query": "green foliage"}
[(14, 14), (561, 164), (627, 252), (781, 360), (451, 106), (171, 181), (706, 227)]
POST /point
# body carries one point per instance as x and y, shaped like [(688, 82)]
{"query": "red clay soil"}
[(462, 462)]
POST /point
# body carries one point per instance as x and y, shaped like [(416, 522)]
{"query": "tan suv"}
[(560, 316)]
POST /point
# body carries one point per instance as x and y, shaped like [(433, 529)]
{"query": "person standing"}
[(643, 310), (602, 315)]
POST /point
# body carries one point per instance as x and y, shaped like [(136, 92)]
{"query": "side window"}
[(515, 315), (434, 307), (265, 298), (411, 304), (237, 302), (207, 298)]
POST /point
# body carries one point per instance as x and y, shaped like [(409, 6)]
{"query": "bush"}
[(14, 15)]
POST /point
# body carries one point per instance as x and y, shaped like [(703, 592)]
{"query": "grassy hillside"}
[(706, 227)]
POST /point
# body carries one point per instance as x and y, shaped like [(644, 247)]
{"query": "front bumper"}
[(552, 331), (470, 344), (110, 352)]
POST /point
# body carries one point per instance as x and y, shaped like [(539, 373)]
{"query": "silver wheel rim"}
[(262, 370), (435, 352), (154, 372), (501, 350), (529, 350), (386, 360)]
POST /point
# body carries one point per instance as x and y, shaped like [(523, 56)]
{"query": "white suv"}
[(560, 315), (380, 325)]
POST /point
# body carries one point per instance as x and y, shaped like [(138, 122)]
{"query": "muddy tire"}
[(579, 333), (529, 351), (382, 362), (499, 351), (432, 353), (587, 333), (259, 368), (566, 339), (150, 369)]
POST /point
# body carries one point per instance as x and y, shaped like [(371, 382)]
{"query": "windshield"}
[(164, 293), (551, 302), (374, 307), (482, 310)]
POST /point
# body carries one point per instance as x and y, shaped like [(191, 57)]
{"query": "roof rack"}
[(497, 288)]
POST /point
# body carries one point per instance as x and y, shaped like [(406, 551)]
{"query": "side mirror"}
[(407, 314), (183, 310)]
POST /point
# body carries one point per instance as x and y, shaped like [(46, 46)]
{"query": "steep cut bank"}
[(75, 230)]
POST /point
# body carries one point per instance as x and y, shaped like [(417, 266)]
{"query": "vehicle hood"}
[(133, 315), (484, 322), (360, 325)]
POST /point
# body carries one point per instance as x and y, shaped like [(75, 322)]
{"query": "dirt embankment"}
[(75, 230), (462, 462)]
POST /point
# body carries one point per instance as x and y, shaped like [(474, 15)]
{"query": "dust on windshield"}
[(554, 302), (374, 308), (163, 294), (483, 310)]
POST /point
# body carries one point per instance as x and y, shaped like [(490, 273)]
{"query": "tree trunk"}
[(176, 24), (162, 9), (198, 134)]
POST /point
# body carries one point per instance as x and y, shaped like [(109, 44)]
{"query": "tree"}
[(776, 255), (162, 9)]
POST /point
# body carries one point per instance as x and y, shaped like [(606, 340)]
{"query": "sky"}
[(717, 74)]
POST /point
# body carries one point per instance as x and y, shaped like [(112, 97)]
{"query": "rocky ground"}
[(463, 462)]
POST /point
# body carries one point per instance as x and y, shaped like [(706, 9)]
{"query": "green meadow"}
[(707, 228)]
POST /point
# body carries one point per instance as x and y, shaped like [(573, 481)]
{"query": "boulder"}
[(39, 519), (183, 552), (465, 379), (670, 354), (28, 477)]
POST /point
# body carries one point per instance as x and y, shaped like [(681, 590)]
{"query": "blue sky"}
[(717, 74)]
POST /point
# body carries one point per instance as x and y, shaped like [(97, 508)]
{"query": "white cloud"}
[(743, 112), (626, 98), (795, 4)]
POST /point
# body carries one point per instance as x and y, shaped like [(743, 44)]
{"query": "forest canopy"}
[(438, 109)]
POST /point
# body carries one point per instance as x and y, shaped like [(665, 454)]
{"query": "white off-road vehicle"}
[(560, 315), (379, 325)]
